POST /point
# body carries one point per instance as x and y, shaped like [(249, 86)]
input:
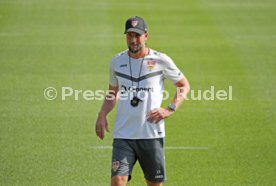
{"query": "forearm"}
[(183, 88), (109, 101), (107, 106)]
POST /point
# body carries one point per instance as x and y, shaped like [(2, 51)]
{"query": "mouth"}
[(133, 45)]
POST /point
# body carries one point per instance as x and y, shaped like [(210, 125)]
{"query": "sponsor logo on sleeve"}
[(123, 65)]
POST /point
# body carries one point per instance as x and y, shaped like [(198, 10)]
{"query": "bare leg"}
[(119, 180), (150, 183)]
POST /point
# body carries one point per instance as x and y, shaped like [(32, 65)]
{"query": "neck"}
[(142, 53)]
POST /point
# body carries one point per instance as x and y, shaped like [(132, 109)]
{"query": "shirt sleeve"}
[(113, 81), (171, 72)]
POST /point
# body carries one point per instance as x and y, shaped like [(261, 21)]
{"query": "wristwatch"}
[(172, 107)]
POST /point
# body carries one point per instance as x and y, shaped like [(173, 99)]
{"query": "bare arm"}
[(108, 104), (183, 88)]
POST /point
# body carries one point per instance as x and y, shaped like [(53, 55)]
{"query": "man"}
[(136, 83)]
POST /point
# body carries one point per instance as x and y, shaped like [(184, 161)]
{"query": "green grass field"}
[(68, 43)]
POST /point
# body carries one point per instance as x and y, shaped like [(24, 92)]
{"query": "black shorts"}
[(149, 153)]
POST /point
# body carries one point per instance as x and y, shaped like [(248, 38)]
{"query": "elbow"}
[(184, 84)]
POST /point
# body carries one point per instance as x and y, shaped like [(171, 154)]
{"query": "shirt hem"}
[(134, 138)]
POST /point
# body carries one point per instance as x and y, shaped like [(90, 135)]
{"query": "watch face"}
[(172, 106)]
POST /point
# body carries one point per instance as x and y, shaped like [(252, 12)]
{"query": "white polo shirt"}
[(143, 78)]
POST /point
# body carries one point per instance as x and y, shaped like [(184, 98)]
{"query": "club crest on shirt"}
[(151, 64), (134, 23), (115, 165)]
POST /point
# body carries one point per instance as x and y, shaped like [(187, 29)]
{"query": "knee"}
[(150, 183), (119, 180)]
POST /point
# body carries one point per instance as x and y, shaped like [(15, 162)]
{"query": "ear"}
[(146, 35)]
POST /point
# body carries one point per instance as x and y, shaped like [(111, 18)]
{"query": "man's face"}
[(136, 42)]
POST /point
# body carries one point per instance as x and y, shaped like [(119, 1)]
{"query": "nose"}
[(133, 39)]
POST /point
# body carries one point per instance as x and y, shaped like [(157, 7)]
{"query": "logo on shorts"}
[(159, 174), (115, 165)]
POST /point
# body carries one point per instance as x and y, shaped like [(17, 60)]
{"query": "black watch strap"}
[(172, 107)]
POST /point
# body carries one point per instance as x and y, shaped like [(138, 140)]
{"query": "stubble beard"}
[(135, 50)]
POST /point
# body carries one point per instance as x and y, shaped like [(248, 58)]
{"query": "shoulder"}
[(120, 55), (160, 56), (118, 58)]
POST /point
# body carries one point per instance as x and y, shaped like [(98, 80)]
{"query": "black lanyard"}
[(131, 78)]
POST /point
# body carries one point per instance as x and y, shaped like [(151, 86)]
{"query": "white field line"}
[(101, 147), (186, 148), (166, 148)]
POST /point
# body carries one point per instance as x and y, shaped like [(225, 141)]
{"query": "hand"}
[(158, 114), (101, 126)]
